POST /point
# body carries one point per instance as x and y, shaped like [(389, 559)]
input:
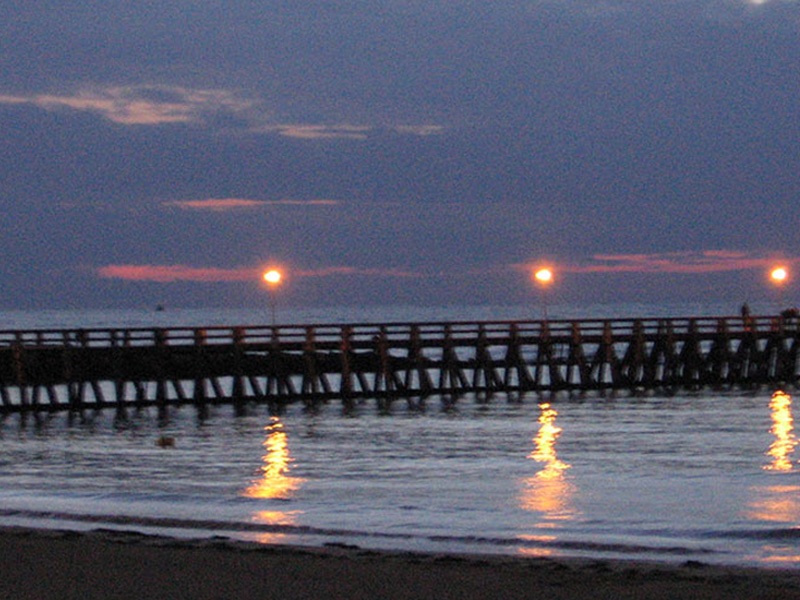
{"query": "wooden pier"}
[(49, 370)]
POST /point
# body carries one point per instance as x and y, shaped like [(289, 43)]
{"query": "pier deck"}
[(52, 370)]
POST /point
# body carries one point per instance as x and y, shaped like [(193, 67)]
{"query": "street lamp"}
[(779, 276), (544, 277), (272, 278)]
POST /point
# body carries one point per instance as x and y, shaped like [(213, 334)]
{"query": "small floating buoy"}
[(165, 441)]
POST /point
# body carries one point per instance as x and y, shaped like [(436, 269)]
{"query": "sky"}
[(397, 152)]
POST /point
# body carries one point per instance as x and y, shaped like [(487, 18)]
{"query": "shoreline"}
[(110, 564)]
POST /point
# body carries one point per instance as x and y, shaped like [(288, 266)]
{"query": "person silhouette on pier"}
[(746, 320)]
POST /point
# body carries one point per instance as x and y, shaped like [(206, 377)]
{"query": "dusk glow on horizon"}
[(431, 176)]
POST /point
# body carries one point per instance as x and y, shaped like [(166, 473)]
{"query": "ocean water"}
[(710, 476)]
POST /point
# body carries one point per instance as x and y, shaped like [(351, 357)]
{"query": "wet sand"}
[(44, 564)]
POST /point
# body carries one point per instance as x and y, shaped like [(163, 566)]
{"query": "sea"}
[(709, 476)]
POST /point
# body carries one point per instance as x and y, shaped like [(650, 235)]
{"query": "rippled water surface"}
[(710, 476)]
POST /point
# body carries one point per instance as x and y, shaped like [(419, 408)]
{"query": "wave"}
[(784, 533), (208, 525)]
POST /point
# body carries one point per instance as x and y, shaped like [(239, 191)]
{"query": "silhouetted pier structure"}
[(96, 368)]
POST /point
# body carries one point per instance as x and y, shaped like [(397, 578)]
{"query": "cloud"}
[(166, 104), (709, 261), (145, 104), (229, 204), (174, 273), (318, 132), (350, 132), (421, 130)]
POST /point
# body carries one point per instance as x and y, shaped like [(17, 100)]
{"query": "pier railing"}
[(71, 369)]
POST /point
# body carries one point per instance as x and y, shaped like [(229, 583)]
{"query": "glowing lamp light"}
[(272, 277), (543, 276), (779, 274)]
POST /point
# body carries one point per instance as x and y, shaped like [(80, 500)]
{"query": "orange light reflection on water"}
[(548, 491), (274, 517), (275, 481), (536, 552), (545, 441), (779, 556), (780, 502), (776, 504), (782, 427)]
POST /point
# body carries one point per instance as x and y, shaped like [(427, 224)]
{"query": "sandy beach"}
[(43, 564)]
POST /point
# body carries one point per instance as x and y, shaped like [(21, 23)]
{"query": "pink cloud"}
[(710, 261), (317, 132), (173, 273), (223, 204), (144, 104)]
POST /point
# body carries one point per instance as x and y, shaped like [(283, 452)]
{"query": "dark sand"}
[(41, 564)]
